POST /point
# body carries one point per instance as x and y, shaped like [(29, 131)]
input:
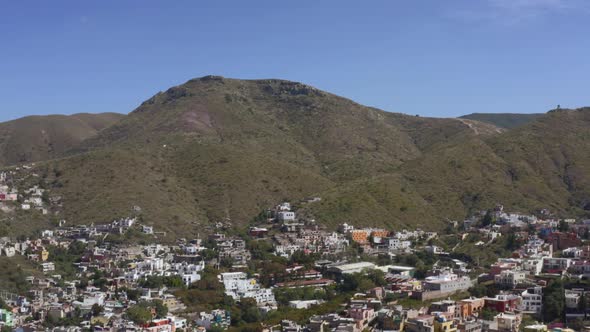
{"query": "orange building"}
[(382, 233), (471, 306), (360, 236)]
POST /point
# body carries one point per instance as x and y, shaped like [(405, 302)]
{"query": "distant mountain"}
[(35, 138), (217, 149), (503, 120)]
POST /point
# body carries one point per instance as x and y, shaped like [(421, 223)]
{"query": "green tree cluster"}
[(141, 313), (553, 301), (160, 281)]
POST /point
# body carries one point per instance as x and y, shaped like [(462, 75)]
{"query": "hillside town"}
[(295, 166), (496, 271)]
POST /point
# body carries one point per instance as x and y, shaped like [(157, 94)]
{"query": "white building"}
[(351, 268), (189, 278), (237, 285), (572, 298), (533, 266), (48, 267), (36, 201), (510, 278), (152, 264), (446, 282), (434, 250), (507, 321), (303, 304), (346, 228), (286, 216), (285, 206), (8, 251), (128, 222), (532, 300), (397, 244), (286, 250), (559, 264)]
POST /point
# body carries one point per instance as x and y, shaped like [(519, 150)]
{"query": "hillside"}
[(35, 138), (215, 149), (218, 149), (503, 120)]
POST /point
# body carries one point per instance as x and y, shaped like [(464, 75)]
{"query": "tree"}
[(300, 257), (3, 304), (487, 219), (132, 294), (161, 308), (96, 309), (478, 290), (553, 301), (174, 281), (250, 312), (356, 282), (226, 262), (583, 304), (209, 280), (139, 314), (260, 249), (563, 226), (377, 277), (488, 314), (512, 242)]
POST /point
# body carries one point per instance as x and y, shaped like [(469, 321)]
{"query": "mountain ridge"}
[(503, 120), (40, 137), (216, 149)]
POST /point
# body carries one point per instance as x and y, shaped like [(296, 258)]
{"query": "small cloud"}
[(83, 19)]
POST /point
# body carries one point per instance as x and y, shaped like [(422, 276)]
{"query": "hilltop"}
[(35, 138), (217, 149)]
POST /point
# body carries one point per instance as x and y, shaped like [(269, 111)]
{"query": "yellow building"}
[(44, 255), (443, 325)]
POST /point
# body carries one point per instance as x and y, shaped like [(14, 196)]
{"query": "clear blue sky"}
[(433, 58)]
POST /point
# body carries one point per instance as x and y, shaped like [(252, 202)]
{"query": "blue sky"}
[(433, 58)]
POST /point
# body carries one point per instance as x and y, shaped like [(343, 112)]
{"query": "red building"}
[(498, 267), (562, 241), (258, 232), (502, 303)]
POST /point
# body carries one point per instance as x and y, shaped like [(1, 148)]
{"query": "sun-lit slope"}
[(236, 147), (503, 120), (36, 138), (224, 149)]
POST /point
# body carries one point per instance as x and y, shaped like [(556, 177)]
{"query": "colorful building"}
[(360, 236), (6, 317)]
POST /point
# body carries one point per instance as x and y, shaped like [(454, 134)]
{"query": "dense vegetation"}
[(13, 274)]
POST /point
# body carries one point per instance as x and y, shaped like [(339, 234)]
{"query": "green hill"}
[(217, 149), (35, 138)]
